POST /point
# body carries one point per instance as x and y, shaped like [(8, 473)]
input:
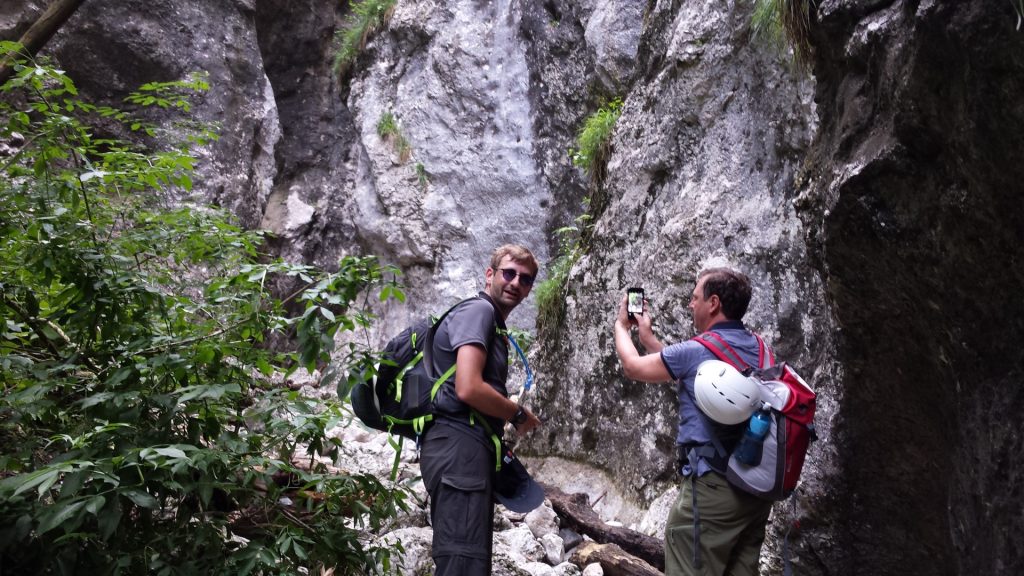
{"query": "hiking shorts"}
[(732, 526), (458, 470)]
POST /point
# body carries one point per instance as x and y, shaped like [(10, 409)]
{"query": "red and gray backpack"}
[(792, 422)]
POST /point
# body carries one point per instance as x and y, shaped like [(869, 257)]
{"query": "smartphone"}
[(634, 301)]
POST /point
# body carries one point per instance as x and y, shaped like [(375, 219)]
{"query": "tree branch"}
[(41, 31), (576, 512), (36, 323)]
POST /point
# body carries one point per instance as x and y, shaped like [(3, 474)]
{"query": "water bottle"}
[(749, 449)]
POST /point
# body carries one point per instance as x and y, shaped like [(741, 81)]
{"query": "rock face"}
[(110, 48), (680, 199), (684, 192), (914, 218), (874, 202)]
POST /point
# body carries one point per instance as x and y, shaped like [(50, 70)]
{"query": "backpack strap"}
[(428, 349), (765, 356), (697, 563), (473, 416), (724, 352)]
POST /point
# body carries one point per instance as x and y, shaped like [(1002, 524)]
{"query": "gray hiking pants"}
[(458, 469)]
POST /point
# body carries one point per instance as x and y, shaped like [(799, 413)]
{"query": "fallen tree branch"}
[(575, 511), (614, 560)]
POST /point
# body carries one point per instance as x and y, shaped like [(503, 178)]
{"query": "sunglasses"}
[(509, 274)]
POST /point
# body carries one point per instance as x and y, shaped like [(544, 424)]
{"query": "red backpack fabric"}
[(792, 423)]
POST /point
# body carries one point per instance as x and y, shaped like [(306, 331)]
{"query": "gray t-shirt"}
[(682, 360), (471, 322)]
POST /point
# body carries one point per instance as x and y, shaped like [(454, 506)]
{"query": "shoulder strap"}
[(721, 349), (765, 356), (428, 345)]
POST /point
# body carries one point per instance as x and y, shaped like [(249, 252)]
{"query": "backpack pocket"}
[(415, 400), (765, 479)]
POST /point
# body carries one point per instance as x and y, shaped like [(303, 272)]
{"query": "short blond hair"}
[(519, 254)]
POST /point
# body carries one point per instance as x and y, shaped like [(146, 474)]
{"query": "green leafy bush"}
[(593, 141), (139, 431), (366, 17)]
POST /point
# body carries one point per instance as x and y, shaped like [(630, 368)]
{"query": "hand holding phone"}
[(634, 302)]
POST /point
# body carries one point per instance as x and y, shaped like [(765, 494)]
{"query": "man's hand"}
[(528, 424), (643, 321), (623, 315), (472, 390)]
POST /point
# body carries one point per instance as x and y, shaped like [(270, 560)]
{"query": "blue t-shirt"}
[(682, 360)]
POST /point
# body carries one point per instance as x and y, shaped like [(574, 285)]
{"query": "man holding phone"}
[(727, 538)]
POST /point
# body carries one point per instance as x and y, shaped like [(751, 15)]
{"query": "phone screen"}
[(635, 301)]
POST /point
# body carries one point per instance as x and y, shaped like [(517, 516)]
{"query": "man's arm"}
[(647, 368), (472, 390)]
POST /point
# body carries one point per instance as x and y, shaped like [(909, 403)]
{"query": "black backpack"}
[(400, 399)]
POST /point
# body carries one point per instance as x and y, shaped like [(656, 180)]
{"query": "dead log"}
[(576, 513), (41, 31), (614, 560)]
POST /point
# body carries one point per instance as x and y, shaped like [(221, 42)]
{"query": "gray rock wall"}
[(111, 48), (914, 216), (702, 173)]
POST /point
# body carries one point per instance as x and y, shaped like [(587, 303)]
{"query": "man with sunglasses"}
[(458, 453), (718, 530)]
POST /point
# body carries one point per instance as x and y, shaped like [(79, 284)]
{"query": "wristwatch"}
[(519, 417)]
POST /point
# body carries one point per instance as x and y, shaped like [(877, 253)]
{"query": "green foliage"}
[(139, 432), (766, 23), (522, 337), (387, 129), (593, 141), (366, 18), (387, 125), (421, 175), (1018, 8), (551, 292), (174, 94), (785, 21)]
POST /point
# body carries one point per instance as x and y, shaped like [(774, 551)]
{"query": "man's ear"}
[(716, 304), (488, 276)]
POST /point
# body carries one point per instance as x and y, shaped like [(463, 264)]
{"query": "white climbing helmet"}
[(725, 395)]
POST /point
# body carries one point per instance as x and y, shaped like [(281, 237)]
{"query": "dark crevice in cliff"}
[(920, 234)]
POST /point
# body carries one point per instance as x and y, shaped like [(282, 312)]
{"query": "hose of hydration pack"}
[(529, 374), (526, 365)]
